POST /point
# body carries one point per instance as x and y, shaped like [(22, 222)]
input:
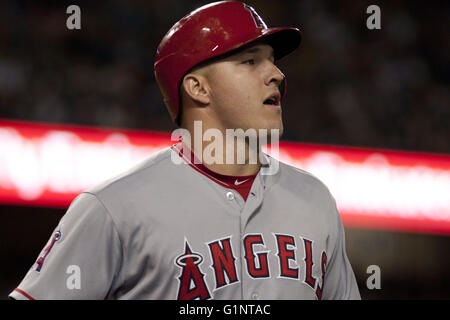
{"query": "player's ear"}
[(195, 86)]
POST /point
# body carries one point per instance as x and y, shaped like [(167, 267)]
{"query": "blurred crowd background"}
[(347, 85)]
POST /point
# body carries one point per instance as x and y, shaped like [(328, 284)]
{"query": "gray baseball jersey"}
[(168, 231)]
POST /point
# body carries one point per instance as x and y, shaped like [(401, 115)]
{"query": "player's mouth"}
[(273, 100)]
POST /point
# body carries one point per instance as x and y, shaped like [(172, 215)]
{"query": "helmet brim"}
[(283, 40)]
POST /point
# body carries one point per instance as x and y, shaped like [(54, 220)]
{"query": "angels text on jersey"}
[(192, 284)]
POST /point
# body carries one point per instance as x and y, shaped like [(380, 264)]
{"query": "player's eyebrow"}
[(257, 50)]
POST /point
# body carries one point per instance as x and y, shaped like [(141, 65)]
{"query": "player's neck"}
[(232, 161), (224, 153)]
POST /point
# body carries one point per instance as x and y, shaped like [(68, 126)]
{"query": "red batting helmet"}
[(208, 32)]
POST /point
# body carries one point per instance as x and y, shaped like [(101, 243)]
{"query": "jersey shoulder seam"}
[(303, 172), (316, 179), (126, 174), (112, 220)]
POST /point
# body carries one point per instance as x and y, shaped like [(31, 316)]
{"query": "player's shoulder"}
[(139, 173), (298, 178), (295, 173), (305, 186)]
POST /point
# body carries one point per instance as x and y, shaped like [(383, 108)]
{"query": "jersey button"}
[(230, 195)]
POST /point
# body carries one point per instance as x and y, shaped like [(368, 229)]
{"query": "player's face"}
[(245, 90)]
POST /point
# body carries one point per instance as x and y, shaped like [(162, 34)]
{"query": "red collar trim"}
[(223, 180)]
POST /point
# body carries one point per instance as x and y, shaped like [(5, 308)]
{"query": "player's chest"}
[(221, 255)]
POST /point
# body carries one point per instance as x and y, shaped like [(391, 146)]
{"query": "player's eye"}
[(249, 62)]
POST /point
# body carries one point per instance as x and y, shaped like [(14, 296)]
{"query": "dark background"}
[(347, 85)]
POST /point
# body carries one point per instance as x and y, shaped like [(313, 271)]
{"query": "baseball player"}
[(193, 229)]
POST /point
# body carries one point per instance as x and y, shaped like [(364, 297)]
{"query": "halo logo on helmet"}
[(209, 32), (258, 21)]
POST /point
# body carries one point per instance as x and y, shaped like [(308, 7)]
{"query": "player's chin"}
[(271, 132), (275, 124), (275, 134)]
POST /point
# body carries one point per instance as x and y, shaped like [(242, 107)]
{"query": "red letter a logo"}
[(192, 285)]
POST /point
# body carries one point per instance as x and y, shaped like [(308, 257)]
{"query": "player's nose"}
[(274, 75)]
